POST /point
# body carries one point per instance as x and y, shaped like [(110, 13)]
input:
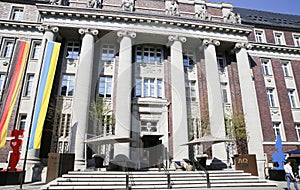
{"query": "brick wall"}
[(289, 38), (269, 36), (262, 100), (296, 74), (284, 102)]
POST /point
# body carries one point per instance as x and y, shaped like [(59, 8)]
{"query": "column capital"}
[(124, 33), (43, 28), (240, 45), (209, 41), (93, 32), (173, 38)]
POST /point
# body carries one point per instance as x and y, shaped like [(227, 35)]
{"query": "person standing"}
[(289, 176)]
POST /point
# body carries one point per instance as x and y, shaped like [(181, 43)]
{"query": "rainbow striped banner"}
[(43, 96), (12, 86)]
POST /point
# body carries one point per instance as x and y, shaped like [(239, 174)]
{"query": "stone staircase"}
[(230, 179)]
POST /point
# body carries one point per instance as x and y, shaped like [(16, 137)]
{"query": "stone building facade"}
[(166, 72)]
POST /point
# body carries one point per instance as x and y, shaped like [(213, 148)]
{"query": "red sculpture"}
[(15, 145)]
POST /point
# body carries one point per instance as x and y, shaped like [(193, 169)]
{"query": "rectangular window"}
[(286, 69), (277, 129), (149, 87), (138, 88), (279, 38), (224, 93), (221, 64), (73, 50), (68, 83), (291, 94), (259, 36), (149, 55), (17, 13), (266, 67), (36, 48), (29, 82), (108, 53), (190, 89), (2, 80), (65, 125), (22, 121), (105, 86), (7, 48), (271, 98), (188, 59), (297, 128), (297, 40)]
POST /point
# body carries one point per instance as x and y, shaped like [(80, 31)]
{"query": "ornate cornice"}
[(207, 42), (173, 38), (275, 48), (14, 24), (240, 45), (128, 17), (83, 31)]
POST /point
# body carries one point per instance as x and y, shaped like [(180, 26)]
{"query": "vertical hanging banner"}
[(43, 94), (12, 86)]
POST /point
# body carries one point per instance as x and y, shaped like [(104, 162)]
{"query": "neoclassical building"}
[(160, 72)]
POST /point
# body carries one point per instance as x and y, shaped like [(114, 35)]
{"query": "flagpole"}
[(30, 126)]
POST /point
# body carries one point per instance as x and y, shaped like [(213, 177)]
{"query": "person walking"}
[(289, 176)]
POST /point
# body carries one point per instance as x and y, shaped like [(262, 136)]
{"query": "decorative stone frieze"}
[(82, 31), (94, 4), (128, 5), (172, 8), (207, 42), (173, 38), (43, 28)]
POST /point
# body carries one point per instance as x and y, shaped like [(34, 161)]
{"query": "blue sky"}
[(280, 6)]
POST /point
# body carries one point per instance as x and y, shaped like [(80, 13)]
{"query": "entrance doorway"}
[(153, 150)]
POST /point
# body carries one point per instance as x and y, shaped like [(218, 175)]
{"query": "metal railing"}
[(129, 176), (169, 184), (198, 165)]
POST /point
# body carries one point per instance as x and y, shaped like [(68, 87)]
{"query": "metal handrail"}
[(129, 177), (208, 184), (169, 185)]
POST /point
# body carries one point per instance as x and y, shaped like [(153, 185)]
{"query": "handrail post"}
[(169, 180), (207, 180)]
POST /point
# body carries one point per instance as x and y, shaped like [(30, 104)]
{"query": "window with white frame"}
[(105, 86), (29, 82), (108, 53), (67, 86), (22, 121), (221, 64), (7, 48), (297, 40), (286, 68), (271, 97), (279, 38), (2, 80), (190, 90), (224, 93), (188, 59), (277, 129), (297, 128), (291, 95), (36, 48), (65, 125), (259, 36), (266, 67), (17, 13), (149, 55), (149, 87), (73, 50)]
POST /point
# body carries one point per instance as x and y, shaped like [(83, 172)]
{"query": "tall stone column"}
[(179, 110), (82, 94), (123, 92), (250, 106), (50, 33), (215, 104)]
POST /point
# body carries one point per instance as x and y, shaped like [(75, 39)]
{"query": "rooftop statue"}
[(202, 14), (94, 4), (233, 18), (127, 5), (173, 9)]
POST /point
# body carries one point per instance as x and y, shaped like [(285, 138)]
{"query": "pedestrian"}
[(289, 176)]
